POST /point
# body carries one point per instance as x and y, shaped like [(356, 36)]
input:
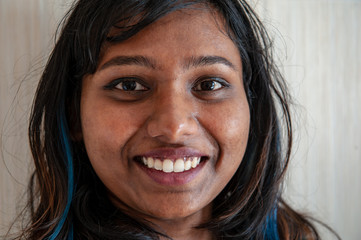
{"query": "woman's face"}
[(165, 118)]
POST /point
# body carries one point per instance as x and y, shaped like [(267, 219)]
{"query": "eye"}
[(127, 85), (209, 85), (130, 85)]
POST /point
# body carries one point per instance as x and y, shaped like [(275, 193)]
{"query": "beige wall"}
[(26, 36), (323, 66), (320, 54)]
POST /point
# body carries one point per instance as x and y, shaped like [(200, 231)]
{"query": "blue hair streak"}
[(68, 158), (271, 232)]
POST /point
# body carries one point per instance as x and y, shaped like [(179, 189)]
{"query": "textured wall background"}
[(323, 66), (318, 44)]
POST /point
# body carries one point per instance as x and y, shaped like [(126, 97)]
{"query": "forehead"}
[(199, 30)]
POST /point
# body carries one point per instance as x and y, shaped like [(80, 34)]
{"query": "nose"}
[(173, 119)]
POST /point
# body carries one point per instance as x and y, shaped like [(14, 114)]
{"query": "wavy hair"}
[(66, 198)]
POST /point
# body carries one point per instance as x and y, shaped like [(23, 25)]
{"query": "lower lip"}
[(172, 179)]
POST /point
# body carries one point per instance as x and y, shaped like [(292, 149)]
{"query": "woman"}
[(158, 120)]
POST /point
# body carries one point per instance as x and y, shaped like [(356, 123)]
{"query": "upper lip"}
[(173, 153)]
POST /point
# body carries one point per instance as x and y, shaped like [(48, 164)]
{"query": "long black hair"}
[(67, 199)]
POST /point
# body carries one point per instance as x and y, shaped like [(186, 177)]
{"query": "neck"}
[(185, 228), (179, 230)]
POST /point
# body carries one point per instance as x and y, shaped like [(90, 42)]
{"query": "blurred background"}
[(318, 48)]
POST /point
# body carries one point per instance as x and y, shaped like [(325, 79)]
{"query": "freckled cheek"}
[(105, 132), (238, 126), (230, 128)]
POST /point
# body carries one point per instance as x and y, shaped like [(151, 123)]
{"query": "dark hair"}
[(65, 192)]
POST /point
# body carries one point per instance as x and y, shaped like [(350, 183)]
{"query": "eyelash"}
[(114, 84), (216, 82)]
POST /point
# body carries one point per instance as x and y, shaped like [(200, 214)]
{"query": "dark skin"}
[(183, 96)]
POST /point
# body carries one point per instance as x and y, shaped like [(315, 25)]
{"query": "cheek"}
[(236, 132), (231, 125), (98, 138), (106, 131), (230, 128), (106, 121)]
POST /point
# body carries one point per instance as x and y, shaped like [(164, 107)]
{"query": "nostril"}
[(171, 126)]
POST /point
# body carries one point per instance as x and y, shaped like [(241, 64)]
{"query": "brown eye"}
[(130, 85), (126, 84), (208, 85)]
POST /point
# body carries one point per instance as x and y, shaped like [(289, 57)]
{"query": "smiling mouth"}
[(178, 165)]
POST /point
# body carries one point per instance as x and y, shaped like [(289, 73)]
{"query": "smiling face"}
[(165, 118)]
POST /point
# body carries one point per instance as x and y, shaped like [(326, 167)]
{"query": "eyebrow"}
[(208, 60), (129, 60), (149, 62)]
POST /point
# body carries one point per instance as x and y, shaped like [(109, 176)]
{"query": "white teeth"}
[(158, 165), (144, 160), (168, 166), (178, 165), (150, 162), (187, 165), (194, 162)]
